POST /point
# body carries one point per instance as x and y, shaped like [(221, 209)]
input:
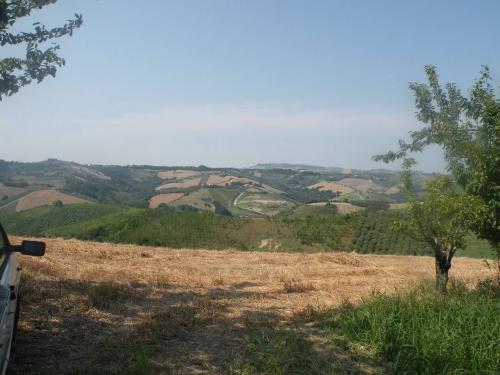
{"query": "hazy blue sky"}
[(234, 83)]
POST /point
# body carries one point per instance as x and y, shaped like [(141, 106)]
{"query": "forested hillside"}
[(365, 231)]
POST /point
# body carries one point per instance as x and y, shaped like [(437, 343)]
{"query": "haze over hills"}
[(297, 208), (258, 191), (306, 167)]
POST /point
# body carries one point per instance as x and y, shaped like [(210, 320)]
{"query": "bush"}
[(221, 210), (58, 203)]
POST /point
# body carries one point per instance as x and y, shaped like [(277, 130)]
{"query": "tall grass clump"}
[(425, 332), (281, 352)]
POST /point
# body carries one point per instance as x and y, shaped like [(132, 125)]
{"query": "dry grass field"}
[(361, 184), (164, 198), (346, 208), (217, 180), (331, 186), (10, 191), (184, 184), (393, 190), (106, 308), (45, 197), (91, 172), (199, 199)]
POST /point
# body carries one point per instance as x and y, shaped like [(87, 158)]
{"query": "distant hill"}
[(305, 167), (263, 190), (318, 168)]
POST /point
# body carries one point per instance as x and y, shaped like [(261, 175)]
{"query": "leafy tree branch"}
[(39, 61)]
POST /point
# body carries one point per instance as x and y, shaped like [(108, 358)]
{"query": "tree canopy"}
[(467, 127), (40, 60), (442, 219)]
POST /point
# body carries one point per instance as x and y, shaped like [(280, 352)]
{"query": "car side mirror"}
[(33, 248)]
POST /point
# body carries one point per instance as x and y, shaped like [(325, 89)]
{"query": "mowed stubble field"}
[(106, 308)]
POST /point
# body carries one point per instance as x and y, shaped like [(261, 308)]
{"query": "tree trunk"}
[(496, 247), (442, 268)]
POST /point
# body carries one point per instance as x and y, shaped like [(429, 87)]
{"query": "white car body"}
[(10, 277)]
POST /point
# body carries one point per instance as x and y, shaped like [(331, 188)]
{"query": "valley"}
[(264, 209), (260, 191)]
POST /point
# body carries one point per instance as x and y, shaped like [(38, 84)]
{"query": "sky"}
[(235, 83)]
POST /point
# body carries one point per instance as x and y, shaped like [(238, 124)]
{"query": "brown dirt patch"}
[(45, 197), (164, 198), (83, 298)]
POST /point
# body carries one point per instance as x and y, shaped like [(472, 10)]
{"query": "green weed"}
[(424, 332)]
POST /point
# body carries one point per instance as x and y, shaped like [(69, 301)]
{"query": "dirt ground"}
[(90, 307)]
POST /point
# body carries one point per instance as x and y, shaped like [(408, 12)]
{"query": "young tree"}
[(468, 130), (442, 219), (39, 62)]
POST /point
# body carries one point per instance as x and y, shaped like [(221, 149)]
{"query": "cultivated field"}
[(103, 308), (200, 199), (43, 198), (361, 184), (331, 186), (346, 208), (217, 180), (184, 184), (393, 190), (263, 203), (10, 191), (164, 198), (178, 174)]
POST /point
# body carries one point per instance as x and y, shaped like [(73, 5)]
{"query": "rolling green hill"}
[(313, 228), (136, 185)]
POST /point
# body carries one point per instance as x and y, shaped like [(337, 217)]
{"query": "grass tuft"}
[(424, 332), (297, 286), (105, 294), (280, 352)]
